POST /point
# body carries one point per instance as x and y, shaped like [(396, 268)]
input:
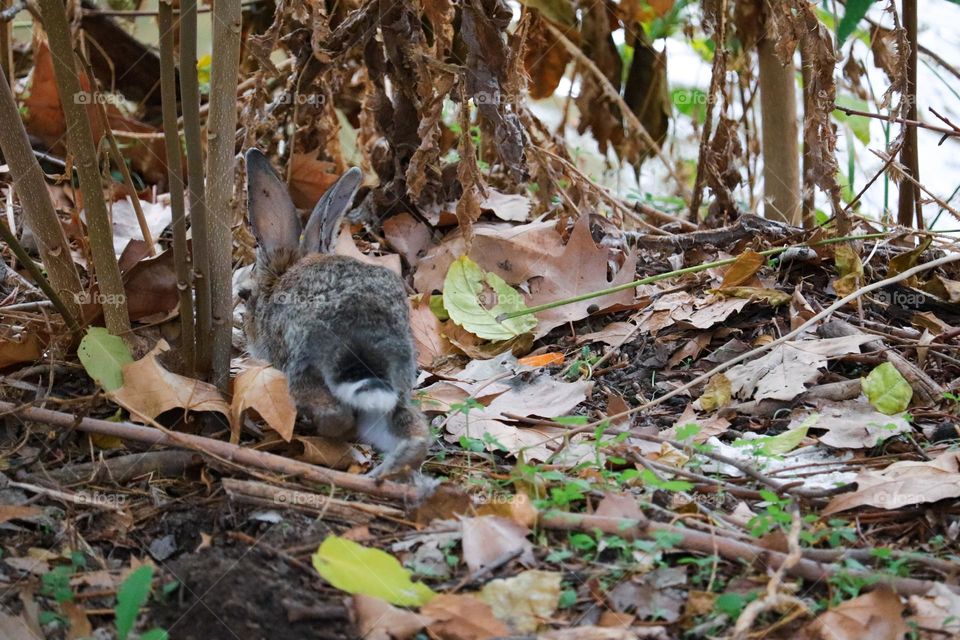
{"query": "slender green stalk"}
[(672, 274), (181, 258)]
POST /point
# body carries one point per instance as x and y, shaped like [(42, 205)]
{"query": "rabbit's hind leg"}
[(407, 436)]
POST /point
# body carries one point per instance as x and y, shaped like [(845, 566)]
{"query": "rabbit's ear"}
[(272, 215), (321, 231)]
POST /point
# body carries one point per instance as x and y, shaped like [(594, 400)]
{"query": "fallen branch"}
[(689, 540), (232, 453)]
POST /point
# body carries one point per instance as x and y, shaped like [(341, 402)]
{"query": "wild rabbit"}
[(334, 325)]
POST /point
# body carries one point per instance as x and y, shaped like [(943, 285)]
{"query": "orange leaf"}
[(542, 360), (309, 179)]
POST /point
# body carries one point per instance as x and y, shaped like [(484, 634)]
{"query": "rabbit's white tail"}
[(370, 395)]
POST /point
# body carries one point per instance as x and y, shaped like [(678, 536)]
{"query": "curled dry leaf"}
[(487, 539), (149, 389), (854, 424), (877, 615), (380, 620), (260, 387), (784, 373), (903, 483), (462, 617)]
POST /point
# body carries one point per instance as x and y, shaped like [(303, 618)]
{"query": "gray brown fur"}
[(322, 318)]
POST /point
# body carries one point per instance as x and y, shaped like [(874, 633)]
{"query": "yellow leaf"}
[(354, 568)]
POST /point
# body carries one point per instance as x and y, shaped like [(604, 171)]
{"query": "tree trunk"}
[(779, 133)]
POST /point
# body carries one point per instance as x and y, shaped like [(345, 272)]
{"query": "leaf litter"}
[(559, 502)]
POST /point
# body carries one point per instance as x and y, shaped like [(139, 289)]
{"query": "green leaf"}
[(103, 356), (574, 421), (887, 390), (856, 9), (354, 568), (436, 305), (131, 595), (155, 634), (858, 125), (463, 293)]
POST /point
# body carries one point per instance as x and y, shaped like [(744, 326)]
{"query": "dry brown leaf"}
[(462, 617), (545, 59), (544, 397), (309, 179), (79, 623), (903, 483), (506, 206), (487, 539), (619, 505), (853, 424), (580, 268), (260, 387), (432, 347), (333, 454), (18, 512), (126, 226), (939, 609), (346, 246), (409, 236), (380, 620), (877, 615), (513, 252), (518, 508), (16, 627), (151, 288), (743, 269), (25, 348), (783, 373), (149, 389), (614, 334)]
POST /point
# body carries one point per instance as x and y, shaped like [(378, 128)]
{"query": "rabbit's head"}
[(281, 240)]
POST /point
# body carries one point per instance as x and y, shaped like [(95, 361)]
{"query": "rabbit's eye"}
[(244, 293)]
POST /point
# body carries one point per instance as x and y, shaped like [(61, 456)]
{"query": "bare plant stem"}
[(38, 212), (81, 143), (181, 258), (125, 172), (717, 73), (221, 160), (909, 198), (190, 105)]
